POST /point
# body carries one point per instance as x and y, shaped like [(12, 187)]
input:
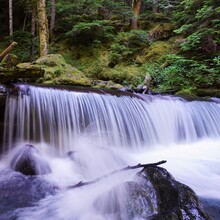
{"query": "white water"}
[(107, 133)]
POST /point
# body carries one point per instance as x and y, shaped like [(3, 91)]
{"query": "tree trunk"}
[(136, 7), (33, 29), (42, 28), (7, 50), (52, 18), (156, 6), (10, 11)]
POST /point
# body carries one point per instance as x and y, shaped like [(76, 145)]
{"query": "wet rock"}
[(154, 195), (18, 190), (28, 161), (128, 201), (175, 200)]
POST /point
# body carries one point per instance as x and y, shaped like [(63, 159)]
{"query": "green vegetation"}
[(177, 42)]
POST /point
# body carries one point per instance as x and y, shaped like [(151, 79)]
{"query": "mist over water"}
[(86, 135)]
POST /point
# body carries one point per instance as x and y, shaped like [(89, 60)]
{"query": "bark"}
[(24, 23), (7, 50), (52, 18), (10, 17), (136, 7), (156, 6), (33, 29), (42, 28)]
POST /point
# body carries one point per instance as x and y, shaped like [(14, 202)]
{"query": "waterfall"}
[(105, 132), (59, 117)]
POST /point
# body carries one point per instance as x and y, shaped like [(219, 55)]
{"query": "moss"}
[(186, 92), (58, 71), (162, 31), (106, 85), (158, 49)]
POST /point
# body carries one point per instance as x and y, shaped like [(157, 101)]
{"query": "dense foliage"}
[(177, 42)]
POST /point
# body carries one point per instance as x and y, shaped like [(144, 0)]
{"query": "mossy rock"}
[(57, 71), (100, 84), (186, 92)]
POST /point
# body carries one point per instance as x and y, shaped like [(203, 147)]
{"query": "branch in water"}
[(80, 184)]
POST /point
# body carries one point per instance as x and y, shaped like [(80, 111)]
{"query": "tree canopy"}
[(177, 42)]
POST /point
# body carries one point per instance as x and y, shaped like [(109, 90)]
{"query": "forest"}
[(115, 43)]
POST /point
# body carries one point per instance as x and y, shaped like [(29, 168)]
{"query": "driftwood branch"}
[(81, 183)]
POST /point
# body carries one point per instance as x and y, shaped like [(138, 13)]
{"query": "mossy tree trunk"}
[(136, 7), (33, 28), (10, 12), (52, 18), (42, 28)]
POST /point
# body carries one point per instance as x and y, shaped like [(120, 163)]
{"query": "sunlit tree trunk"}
[(10, 6), (42, 28), (52, 18), (136, 7)]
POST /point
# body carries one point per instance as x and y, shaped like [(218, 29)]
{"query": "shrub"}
[(88, 32), (181, 73), (126, 45)]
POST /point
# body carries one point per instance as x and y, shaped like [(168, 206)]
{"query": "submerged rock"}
[(29, 161)]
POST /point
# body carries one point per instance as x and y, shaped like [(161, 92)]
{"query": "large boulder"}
[(175, 200), (154, 195), (29, 161), (57, 71)]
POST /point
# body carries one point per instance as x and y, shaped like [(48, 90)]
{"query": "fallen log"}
[(81, 183), (7, 50)]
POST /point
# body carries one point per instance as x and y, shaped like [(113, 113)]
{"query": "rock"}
[(9, 61), (101, 84), (129, 200), (154, 195), (175, 200), (18, 190), (29, 161), (57, 71)]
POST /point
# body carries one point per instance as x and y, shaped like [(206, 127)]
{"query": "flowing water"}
[(102, 133)]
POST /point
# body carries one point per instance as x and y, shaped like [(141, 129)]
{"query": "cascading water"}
[(106, 132)]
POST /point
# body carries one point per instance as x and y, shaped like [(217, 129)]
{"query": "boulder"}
[(153, 195), (19, 191), (29, 161)]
